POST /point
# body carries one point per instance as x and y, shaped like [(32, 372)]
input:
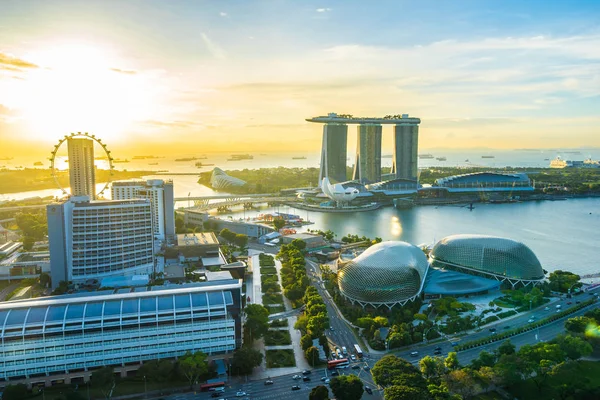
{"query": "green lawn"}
[(582, 375), (279, 323), (272, 287), (277, 338), (272, 298), (280, 358), (275, 309), (268, 279)]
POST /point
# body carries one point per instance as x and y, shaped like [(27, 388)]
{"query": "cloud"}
[(223, 14), (124, 71), (214, 49), (12, 63), (322, 10)]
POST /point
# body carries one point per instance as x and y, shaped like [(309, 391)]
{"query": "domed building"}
[(503, 259), (220, 180), (388, 273)]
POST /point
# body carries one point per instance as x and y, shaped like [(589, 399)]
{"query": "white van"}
[(558, 306), (344, 350)]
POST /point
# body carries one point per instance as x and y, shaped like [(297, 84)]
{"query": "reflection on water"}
[(563, 234)]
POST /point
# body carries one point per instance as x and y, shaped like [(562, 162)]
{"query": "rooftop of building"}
[(490, 177), (303, 236), (9, 247), (197, 239), (122, 293), (84, 201), (351, 119), (212, 276)]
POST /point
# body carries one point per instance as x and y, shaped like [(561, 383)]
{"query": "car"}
[(414, 353), (215, 394), (557, 311), (356, 366), (323, 378), (577, 302), (353, 357), (530, 320), (507, 327), (306, 379), (569, 302), (331, 329), (306, 372), (438, 348), (296, 377), (493, 333), (240, 394), (335, 373), (295, 387), (437, 352), (368, 390), (454, 344), (269, 382), (546, 308), (367, 368), (327, 380)]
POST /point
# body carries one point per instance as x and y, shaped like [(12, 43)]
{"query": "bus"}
[(358, 351), (212, 386), (337, 363)]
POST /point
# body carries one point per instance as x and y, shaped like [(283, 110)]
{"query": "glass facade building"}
[(405, 159), (220, 180), (367, 166), (334, 152), (488, 256), (73, 333), (388, 273)]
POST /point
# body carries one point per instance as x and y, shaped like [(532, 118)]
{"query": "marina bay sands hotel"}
[(367, 168)]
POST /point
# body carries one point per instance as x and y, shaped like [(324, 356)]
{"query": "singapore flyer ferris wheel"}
[(54, 169)]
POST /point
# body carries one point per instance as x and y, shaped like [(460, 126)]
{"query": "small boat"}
[(441, 158), (467, 160), (241, 157), (488, 156), (186, 159), (425, 155), (38, 163), (298, 158), (119, 161)]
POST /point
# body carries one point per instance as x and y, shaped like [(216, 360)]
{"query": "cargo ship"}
[(425, 155)]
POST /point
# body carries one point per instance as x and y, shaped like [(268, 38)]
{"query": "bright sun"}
[(78, 88)]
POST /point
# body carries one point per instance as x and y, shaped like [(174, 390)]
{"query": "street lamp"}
[(145, 388)]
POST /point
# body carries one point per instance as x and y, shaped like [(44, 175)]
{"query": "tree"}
[(227, 235), (403, 392), (461, 382), (156, 370), (312, 355), (28, 243), (15, 392), (278, 223), (299, 244), (577, 324), (257, 320), (179, 225), (485, 359), (241, 240), (193, 366), (432, 367), (317, 324), (319, 393), (305, 342), (451, 361), (389, 368), (347, 387), (104, 379), (574, 347), (245, 359), (506, 348), (44, 279)]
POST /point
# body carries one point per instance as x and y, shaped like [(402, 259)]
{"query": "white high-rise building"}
[(160, 194), (96, 239), (82, 174)]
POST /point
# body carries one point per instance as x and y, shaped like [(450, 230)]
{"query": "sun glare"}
[(79, 87)]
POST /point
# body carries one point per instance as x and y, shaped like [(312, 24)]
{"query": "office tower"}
[(406, 147), (367, 167), (62, 337), (334, 152), (160, 194), (96, 239), (82, 174)]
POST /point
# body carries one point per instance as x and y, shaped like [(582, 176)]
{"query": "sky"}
[(178, 77)]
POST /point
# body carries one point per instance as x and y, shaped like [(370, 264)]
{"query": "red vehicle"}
[(337, 363), (211, 386)]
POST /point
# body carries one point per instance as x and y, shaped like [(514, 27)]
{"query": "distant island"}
[(29, 179)]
